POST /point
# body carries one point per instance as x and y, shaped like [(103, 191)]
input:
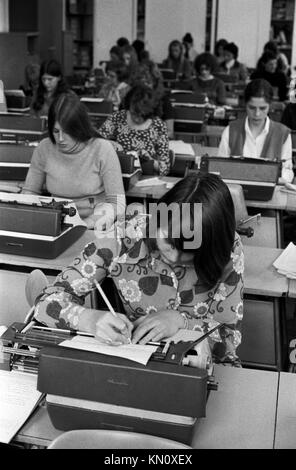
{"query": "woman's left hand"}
[(157, 326)]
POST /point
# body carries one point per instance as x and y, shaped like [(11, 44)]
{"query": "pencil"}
[(105, 298)]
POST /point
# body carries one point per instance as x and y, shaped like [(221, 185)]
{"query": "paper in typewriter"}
[(18, 398), (133, 352)]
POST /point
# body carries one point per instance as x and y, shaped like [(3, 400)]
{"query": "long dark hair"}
[(142, 99), (218, 224), (53, 68), (72, 116)]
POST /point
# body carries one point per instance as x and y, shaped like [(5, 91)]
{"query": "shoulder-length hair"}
[(143, 100), (53, 68), (258, 88), (218, 224), (72, 116)]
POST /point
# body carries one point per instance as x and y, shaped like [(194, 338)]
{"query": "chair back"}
[(110, 439)]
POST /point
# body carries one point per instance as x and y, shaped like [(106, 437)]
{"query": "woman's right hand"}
[(106, 327)]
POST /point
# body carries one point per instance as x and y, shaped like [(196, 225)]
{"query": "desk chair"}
[(188, 122), (98, 109), (109, 439)]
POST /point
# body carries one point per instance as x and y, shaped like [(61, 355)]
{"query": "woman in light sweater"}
[(73, 163)]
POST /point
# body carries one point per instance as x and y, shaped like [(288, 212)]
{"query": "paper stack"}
[(286, 262)]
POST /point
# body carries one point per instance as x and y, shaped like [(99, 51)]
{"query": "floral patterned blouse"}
[(154, 140), (147, 284)]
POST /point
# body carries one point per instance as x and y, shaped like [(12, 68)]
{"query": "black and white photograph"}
[(147, 227)]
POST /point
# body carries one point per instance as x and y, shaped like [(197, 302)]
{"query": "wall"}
[(247, 23), (112, 19), (4, 16), (171, 19)]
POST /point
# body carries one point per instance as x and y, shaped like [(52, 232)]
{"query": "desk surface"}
[(240, 414), (261, 278), (285, 437)]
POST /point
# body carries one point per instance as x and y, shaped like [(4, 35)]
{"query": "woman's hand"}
[(157, 326), (106, 327)]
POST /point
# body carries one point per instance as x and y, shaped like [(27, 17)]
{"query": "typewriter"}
[(130, 167), (35, 226), (22, 128), (87, 390), (15, 161), (257, 177)]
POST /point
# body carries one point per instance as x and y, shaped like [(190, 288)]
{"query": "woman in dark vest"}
[(257, 136)]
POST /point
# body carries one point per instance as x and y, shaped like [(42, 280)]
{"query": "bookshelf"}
[(79, 22), (282, 25)]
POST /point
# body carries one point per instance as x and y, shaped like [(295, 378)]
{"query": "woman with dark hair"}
[(130, 60), (51, 85), (149, 75), (138, 128), (257, 136), (188, 43), (205, 82), (166, 280), (282, 61), (73, 163), (266, 69), (177, 62), (219, 50), (231, 65)]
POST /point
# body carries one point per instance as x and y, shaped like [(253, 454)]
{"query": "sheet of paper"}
[(181, 148), (286, 262), (133, 352), (155, 181), (18, 398)]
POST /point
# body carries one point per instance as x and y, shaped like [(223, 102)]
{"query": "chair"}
[(110, 439)]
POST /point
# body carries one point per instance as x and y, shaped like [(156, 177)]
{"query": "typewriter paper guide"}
[(32, 199)]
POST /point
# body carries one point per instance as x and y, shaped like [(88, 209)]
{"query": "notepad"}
[(18, 398), (155, 181), (181, 148), (134, 352), (286, 262)]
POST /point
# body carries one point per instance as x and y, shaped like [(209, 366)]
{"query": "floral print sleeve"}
[(162, 148), (61, 305), (108, 129)]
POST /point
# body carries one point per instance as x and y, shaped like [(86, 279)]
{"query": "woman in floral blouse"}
[(164, 285), (138, 128)]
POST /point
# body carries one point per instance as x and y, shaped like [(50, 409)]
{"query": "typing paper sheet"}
[(18, 398), (133, 352)]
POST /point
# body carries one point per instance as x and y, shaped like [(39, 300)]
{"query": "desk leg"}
[(279, 228)]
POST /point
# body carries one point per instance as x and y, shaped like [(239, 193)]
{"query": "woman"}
[(256, 136), (282, 61), (51, 85), (219, 50), (115, 87), (137, 128), (130, 60), (177, 62), (232, 66), (73, 163), (149, 74), (164, 284), (205, 65), (266, 69), (188, 43)]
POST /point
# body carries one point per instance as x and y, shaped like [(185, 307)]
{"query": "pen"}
[(105, 298)]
